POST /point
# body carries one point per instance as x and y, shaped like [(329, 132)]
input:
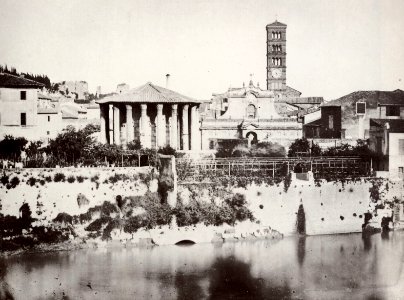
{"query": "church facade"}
[(249, 112)]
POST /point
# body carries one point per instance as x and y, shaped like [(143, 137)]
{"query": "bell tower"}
[(276, 58)]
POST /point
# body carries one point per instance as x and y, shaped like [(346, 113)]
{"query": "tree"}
[(11, 147), (298, 147)]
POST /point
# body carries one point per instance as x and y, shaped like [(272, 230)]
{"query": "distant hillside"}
[(372, 98), (44, 79)]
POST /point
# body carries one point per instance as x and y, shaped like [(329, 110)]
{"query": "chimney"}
[(167, 81)]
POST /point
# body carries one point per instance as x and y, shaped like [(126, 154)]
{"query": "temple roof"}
[(148, 93), (13, 81)]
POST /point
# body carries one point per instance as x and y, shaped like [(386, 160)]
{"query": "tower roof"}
[(276, 24)]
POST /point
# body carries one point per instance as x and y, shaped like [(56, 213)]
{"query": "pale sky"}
[(333, 47)]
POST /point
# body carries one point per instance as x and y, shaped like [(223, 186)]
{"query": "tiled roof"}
[(276, 23), (148, 93), (395, 126), (12, 81), (47, 110)]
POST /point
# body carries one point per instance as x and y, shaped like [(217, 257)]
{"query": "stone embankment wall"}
[(48, 197), (330, 207)]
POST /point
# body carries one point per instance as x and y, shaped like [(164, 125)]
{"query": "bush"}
[(71, 179), (4, 179), (14, 181), (167, 150), (31, 181), (97, 224), (63, 218), (80, 179), (59, 177), (48, 179)]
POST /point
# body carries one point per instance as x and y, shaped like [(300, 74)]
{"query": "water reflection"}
[(232, 279), (301, 249), (336, 267)]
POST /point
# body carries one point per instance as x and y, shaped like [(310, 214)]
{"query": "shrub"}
[(4, 179), (31, 181), (80, 179), (14, 181), (71, 179), (134, 223), (48, 179), (106, 234), (63, 218), (59, 177), (97, 224)]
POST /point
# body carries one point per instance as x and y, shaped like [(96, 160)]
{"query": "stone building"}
[(153, 115), (18, 106), (79, 88), (250, 113)]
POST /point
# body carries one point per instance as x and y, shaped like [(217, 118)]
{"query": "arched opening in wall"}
[(299, 168), (251, 111), (251, 138), (301, 220), (185, 243), (144, 160)]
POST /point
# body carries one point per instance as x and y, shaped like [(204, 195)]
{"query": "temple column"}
[(117, 126), (129, 124), (192, 135), (160, 130), (185, 131), (144, 137), (174, 124), (197, 133), (103, 125)]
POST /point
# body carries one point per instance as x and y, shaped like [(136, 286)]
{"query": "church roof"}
[(13, 81), (276, 24), (148, 93)]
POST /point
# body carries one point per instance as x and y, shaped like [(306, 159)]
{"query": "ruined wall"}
[(330, 207), (47, 198)]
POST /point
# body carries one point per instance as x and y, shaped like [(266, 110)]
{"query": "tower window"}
[(331, 122), (251, 111), (23, 95), (48, 118)]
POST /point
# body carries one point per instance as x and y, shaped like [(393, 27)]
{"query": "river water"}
[(317, 267)]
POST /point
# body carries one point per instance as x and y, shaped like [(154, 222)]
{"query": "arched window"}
[(251, 111)]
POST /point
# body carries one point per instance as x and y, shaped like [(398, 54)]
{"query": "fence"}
[(322, 167)]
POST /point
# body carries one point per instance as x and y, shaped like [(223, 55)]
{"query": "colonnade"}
[(155, 125)]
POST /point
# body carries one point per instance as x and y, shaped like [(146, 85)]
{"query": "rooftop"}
[(395, 125), (276, 24), (148, 93), (13, 81)]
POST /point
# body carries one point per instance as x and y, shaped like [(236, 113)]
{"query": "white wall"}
[(396, 160), (12, 106)]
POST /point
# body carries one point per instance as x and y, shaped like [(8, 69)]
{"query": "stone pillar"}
[(130, 131), (174, 124), (144, 136), (197, 138), (117, 125), (185, 131), (103, 125), (192, 135), (160, 128)]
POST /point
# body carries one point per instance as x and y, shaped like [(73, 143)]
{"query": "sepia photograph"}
[(196, 149)]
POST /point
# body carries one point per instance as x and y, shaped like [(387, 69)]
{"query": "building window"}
[(392, 111), (211, 145), (23, 119), (23, 95), (48, 132), (401, 147), (251, 111), (400, 169), (360, 108), (48, 118), (331, 122)]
